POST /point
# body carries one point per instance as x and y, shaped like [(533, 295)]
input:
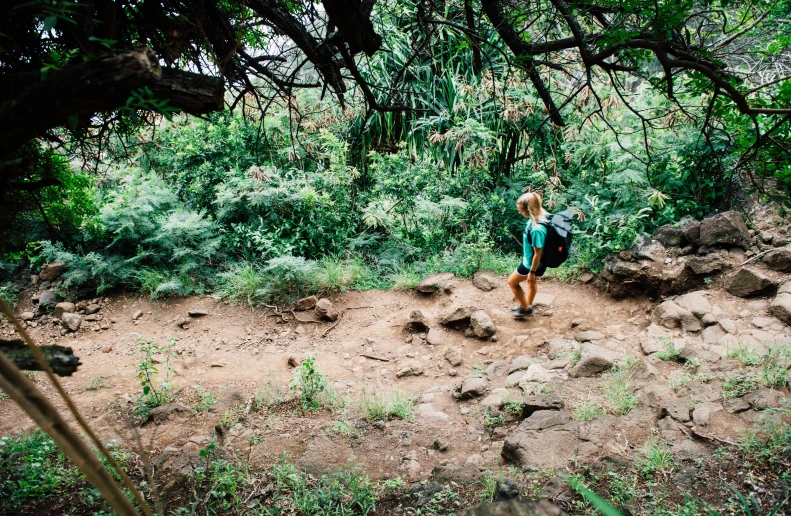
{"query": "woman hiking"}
[(529, 205)]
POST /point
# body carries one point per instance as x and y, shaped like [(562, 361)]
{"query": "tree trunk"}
[(477, 63), (61, 359)]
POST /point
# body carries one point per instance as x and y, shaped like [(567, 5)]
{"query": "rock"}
[(506, 489), (433, 282), (763, 399), (497, 369), (92, 309), (428, 411), (559, 347), (492, 402), (513, 379), (677, 408), (669, 236), (326, 311), (781, 307), (691, 233), (696, 303), (748, 282), (485, 280), (647, 249), (542, 507), (27, 316), (417, 321), (137, 315), (590, 335), (724, 230), (48, 299), (62, 308), (593, 361), (708, 264), (482, 324), (779, 259), (197, 312), (165, 412), (441, 444), (107, 349), (708, 320), (545, 439), (671, 315), (411, 469), (435, 337), (473, 387), (457, 316), (413, 369), (536, 373), (52, 271), (543, 299), (713, 334), (183, 322), (467, 473), (729, 326), (231, 399), (586, 277), (453, 356), (294, 361), (702, 414), (520, 363), (541, 402), (736, 405), (307, 303), (71, 321)]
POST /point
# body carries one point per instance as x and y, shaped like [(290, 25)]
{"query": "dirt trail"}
[(235, 348)]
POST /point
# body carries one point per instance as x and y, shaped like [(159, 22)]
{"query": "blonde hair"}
[(531, 202)]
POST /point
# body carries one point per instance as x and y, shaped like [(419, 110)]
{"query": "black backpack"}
[(558, 241)]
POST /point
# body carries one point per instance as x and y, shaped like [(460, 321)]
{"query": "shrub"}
[(378, 407), (310, 384)]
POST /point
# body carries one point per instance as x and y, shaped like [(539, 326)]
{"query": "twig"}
[(339, 318), (710, 437), (754, 257), (303, 320), (374, 357)]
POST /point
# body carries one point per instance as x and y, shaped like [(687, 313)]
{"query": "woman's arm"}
[(536, 258)]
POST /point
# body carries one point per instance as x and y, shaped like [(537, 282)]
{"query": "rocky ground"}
[(589, 378)]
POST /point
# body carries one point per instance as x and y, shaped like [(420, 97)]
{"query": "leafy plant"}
[(309, 384), (621, 399), (668, 353), (376, 406), (157, 390)]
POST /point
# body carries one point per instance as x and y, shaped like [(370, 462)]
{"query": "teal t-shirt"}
[(538, 235)]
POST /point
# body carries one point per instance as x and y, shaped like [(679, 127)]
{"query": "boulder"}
[(707, 264), (467, 473), (506, 489), (691, 233), (713, 334), (325, 310), (542, 507), (62, 308), (671, 315), (536, 373), (725, 229), (485, 280), (71, 321), (472, 387), (559, 347), (749, 282), (497, 369), (48, 299), (677, 408), (520, 363), (457, 316), (763, 399), (586, 336), (27, 316), (165, 412), (417, 321), (414, 369), (779, 259), (736, 405), (482, 325), (433, 282), (543, 299), (532, 404), (453, 356), (696, 302), (670, 236), (594, 359), (781, 307), (546, 439), (648, 249), (52, 271), (435, 337), (92, 309), (307, 303)]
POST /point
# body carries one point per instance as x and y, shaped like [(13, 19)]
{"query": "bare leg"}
[(513, 282), (532, 288)]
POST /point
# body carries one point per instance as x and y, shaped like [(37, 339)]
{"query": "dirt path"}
[(236, 350)]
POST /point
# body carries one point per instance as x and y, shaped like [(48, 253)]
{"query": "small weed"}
[(157, 390), (586, 410), (622, 488), (267, 396), (657, 459), (738, 386), (622, 400), (345, 428), (536, 388), (678, 382), (514, 407), (488, 487), (378, 407), (3, 396), (668, 353), (309, 384), (492, 421), (97, 382), (744, 355), (204, 399), (575, 356), (770, 441)]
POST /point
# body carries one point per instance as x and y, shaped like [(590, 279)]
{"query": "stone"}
[(520, 363), (435, 337), (701, 416), (457, 315), (729, 326), (442, 444), (533, 404), (543, 299), (482, 325), (326, 311), (417, 321), (197, 312), (485, 280), (413, 369), (669, 236), (594, 359), (137, 315), (52, 271), (713, 334), (107, 349), (749, 282), (473, 387), (677, 408), (294, 361), (725, 229), (165, 412), (763, 399), (506, 489), (48, 299), (736, 405), (695, 302), (545, 439), (542, 507), (71, 321), (27, 316), (497, 369), (785, 288), (428, 411), (307, 303), (559, 347), (671, 315), (590, 335), (453, 356), (586, 277), (411, 469), (493, 402), (781, 308), (536, 373), (691, 232), (433, 282), (648, 249), (708, 264), (92, 309), (779, 259), (467, 473), (62, 308), (513, 379)]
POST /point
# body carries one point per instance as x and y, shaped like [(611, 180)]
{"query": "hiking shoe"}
[(521, 312)]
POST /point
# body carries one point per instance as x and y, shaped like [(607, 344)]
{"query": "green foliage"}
[(657, 459), (621, 399), (157, 390), (769, 442), (376, 406), (586, 410), (492, 420), (309, 384), (668, 353)]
